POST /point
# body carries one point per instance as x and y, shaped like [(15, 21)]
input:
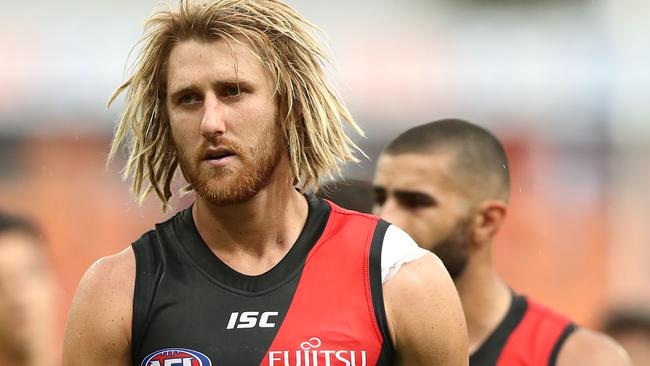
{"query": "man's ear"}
[(488, 218)]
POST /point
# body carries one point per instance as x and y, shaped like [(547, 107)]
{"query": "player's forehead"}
[(17, 247), (195, 60), (414, 168)]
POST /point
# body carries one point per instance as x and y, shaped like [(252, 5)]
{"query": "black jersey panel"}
[(490, 350), (376, 290), (231, 329), (186, 298), (568, 330), (149, 268)]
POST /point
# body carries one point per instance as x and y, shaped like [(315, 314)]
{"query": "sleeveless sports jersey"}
[(321, 305), (529, 335)]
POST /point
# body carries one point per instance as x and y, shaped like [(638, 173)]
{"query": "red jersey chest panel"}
[(331, 319), (534, 340), (530, 335)]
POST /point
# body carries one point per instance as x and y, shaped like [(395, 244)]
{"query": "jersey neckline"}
[(291, 264), (488, 352)]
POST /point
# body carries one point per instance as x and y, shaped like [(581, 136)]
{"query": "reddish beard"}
[(229, 185)]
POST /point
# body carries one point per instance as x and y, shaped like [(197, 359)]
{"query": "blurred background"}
[(564, 84)]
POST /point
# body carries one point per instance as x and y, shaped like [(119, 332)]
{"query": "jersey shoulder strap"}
[(539, 336), (152, 255)]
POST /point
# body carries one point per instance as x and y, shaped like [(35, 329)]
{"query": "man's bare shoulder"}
[(588, 348), (425, 315), (113, 270), (112, 277), (99, 322), (427, 270)]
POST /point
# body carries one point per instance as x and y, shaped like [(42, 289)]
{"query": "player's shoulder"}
[(585, 347), (347, 212), (415, 270), (580, 346), (399, 248), (424, 314), (113, 273), (99, 321), (425, 271)]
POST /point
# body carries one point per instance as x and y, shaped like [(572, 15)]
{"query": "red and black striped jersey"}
[(529, 335), (322, 304)]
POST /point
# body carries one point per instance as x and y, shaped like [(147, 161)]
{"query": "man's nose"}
[(213, 122), (391, 212)]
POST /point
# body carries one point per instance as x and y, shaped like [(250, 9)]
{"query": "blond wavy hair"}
[(312, 112)]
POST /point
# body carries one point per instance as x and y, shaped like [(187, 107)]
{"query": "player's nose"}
[(213, 122), (391, 212)]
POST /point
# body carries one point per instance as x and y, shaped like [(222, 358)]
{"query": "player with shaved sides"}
[(446, 183)]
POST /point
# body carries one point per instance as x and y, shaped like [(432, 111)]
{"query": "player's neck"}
[(7, 359), (253, 236), (484, 296)]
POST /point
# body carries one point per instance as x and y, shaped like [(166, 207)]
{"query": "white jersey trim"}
[(398, 248)]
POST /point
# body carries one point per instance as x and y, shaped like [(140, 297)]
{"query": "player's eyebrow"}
[(417, 198), (182, 88)]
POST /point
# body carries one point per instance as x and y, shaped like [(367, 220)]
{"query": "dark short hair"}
[(351, 194), (9, 223), (478, 153)]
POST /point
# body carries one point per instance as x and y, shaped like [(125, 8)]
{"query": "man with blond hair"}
[(258, 271)]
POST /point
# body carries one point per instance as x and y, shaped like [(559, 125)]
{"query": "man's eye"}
[(189, 99), (232, 91), (378, 196)]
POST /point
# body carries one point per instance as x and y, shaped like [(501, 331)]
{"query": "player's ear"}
[(487, 220)]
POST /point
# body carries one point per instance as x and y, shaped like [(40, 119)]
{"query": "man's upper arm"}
[(588, 348), (425, 315), (99, 322)]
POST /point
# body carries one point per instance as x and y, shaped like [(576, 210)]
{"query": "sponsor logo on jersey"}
[(176, 357), (251, 319), (311, 354)]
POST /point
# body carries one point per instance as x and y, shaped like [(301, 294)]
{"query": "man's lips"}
[(218, 153), (219, 156)]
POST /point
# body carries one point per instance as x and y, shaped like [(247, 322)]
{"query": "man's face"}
[(223, 119), (637, 344), (25, 292), (418, 193)]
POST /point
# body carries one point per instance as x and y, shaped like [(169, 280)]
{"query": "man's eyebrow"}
[(176, 92), (192, 87), (411, 193), (415, 194)]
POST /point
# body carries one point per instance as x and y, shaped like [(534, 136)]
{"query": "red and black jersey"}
[(529, 335), (322, 304)]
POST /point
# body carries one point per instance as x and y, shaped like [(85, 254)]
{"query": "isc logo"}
[(176, 357), (251, 319)]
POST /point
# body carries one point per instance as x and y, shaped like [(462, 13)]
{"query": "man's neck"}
[(253, 236), (485, 298), (7, 359)]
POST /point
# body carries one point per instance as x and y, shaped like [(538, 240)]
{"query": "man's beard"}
[(453, 250), (225, 185), (15, 348)]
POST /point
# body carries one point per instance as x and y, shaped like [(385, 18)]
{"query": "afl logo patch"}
[(176, 357)]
